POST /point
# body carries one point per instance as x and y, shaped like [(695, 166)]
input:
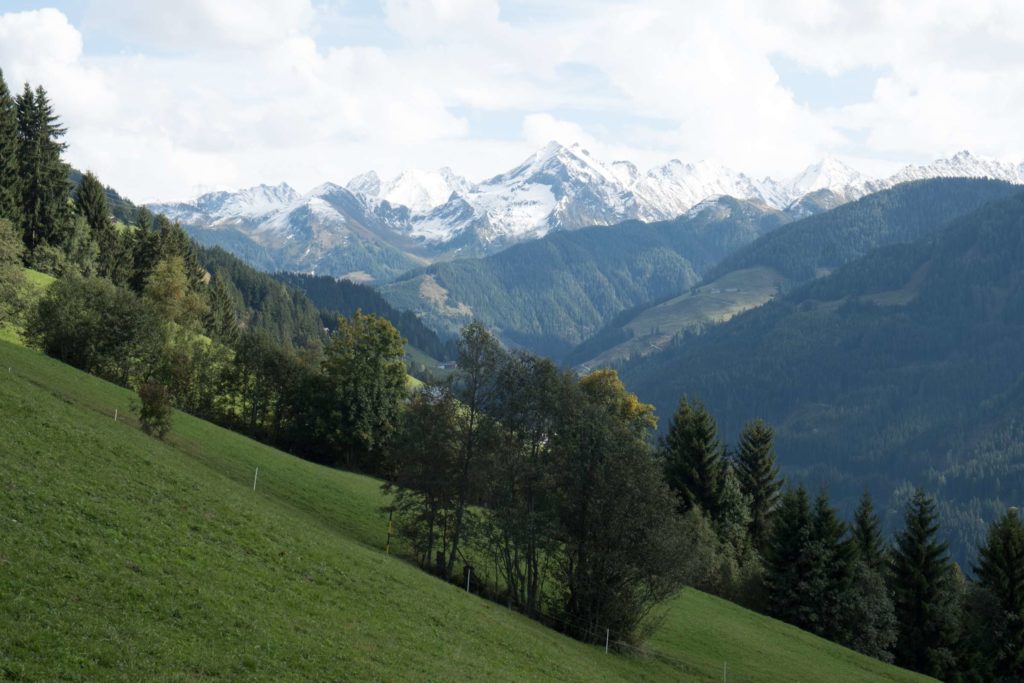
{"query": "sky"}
[(165, 99)]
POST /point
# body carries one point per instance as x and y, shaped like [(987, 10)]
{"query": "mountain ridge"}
[(374, 229)]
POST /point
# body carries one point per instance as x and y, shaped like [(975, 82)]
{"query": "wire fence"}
[(589, 633)]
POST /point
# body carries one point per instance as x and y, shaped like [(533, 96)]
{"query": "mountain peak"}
[(828, 174), (365, 183)]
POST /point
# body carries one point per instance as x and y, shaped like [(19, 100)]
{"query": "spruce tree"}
[(867, 535), (759, 478), (45, 190), (10, 190), (1000, 570), (91, 201), (221, 321), (788, 569), (830, 557), (922, 596), (694, 458)]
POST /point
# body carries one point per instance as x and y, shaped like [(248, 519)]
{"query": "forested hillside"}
[(904, 366), (818, 244), (550, 294), (336, 297), (787, 257)]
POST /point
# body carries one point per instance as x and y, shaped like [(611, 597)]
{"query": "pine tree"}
[(1000, 570), (10, 190), (787, 560), (759, 478), (921, 592), (694, 458), (91, 201), (221, 321), (733, 524), (867, 535), (174, 242), (44, 176), (831, 559)]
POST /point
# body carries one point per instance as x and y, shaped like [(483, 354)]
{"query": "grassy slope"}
[(715, 302), (123, 558)]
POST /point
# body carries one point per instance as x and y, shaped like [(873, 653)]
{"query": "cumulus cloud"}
[(163, 96)]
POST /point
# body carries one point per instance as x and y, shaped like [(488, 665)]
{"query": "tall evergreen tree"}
[(694, 458), (221, 320), (91, 202), (175, 242), (922, 594), (788, 569), (10, 189), (867, 535), (831, 558), (1000, 570), (759, 478), (45, 189)]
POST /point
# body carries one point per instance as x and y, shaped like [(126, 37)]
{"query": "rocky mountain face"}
[(375, 229)]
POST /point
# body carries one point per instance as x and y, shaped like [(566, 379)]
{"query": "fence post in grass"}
[(469, 572), (607, 637), (387, 544), (115, 414), (725, 672), (254, 477)]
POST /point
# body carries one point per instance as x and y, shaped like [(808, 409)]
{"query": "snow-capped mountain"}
[(376, 228), (828, 174), (418, 190), (960, 165)]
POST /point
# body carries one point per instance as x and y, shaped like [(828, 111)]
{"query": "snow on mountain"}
[(380, 226), (557, 187), (961, 165), (626, 172), (418, 190), (828, 174), (673, 188), (366, 184), (230, 207)]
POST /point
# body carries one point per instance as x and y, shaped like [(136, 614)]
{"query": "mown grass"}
[(126, 558)]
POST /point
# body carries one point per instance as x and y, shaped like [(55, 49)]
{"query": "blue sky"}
[(164, 97)]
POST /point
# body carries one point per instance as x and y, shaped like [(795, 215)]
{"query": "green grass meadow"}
[(123, 558)]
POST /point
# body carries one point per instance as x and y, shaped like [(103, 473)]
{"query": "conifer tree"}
[(830, 557), (788, 570), (759, 478), (174, 242), (1000, 570), (867, 535), (922, 593), (221, 321), (91, 201), (44, 176), (694, 458), (10, 190)]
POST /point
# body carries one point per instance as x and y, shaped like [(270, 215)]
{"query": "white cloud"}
[(161, 96), (206, 24)]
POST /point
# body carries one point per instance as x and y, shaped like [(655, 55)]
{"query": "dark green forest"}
[(816, 245), (548, 295), (337, 298), (902, 368)]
